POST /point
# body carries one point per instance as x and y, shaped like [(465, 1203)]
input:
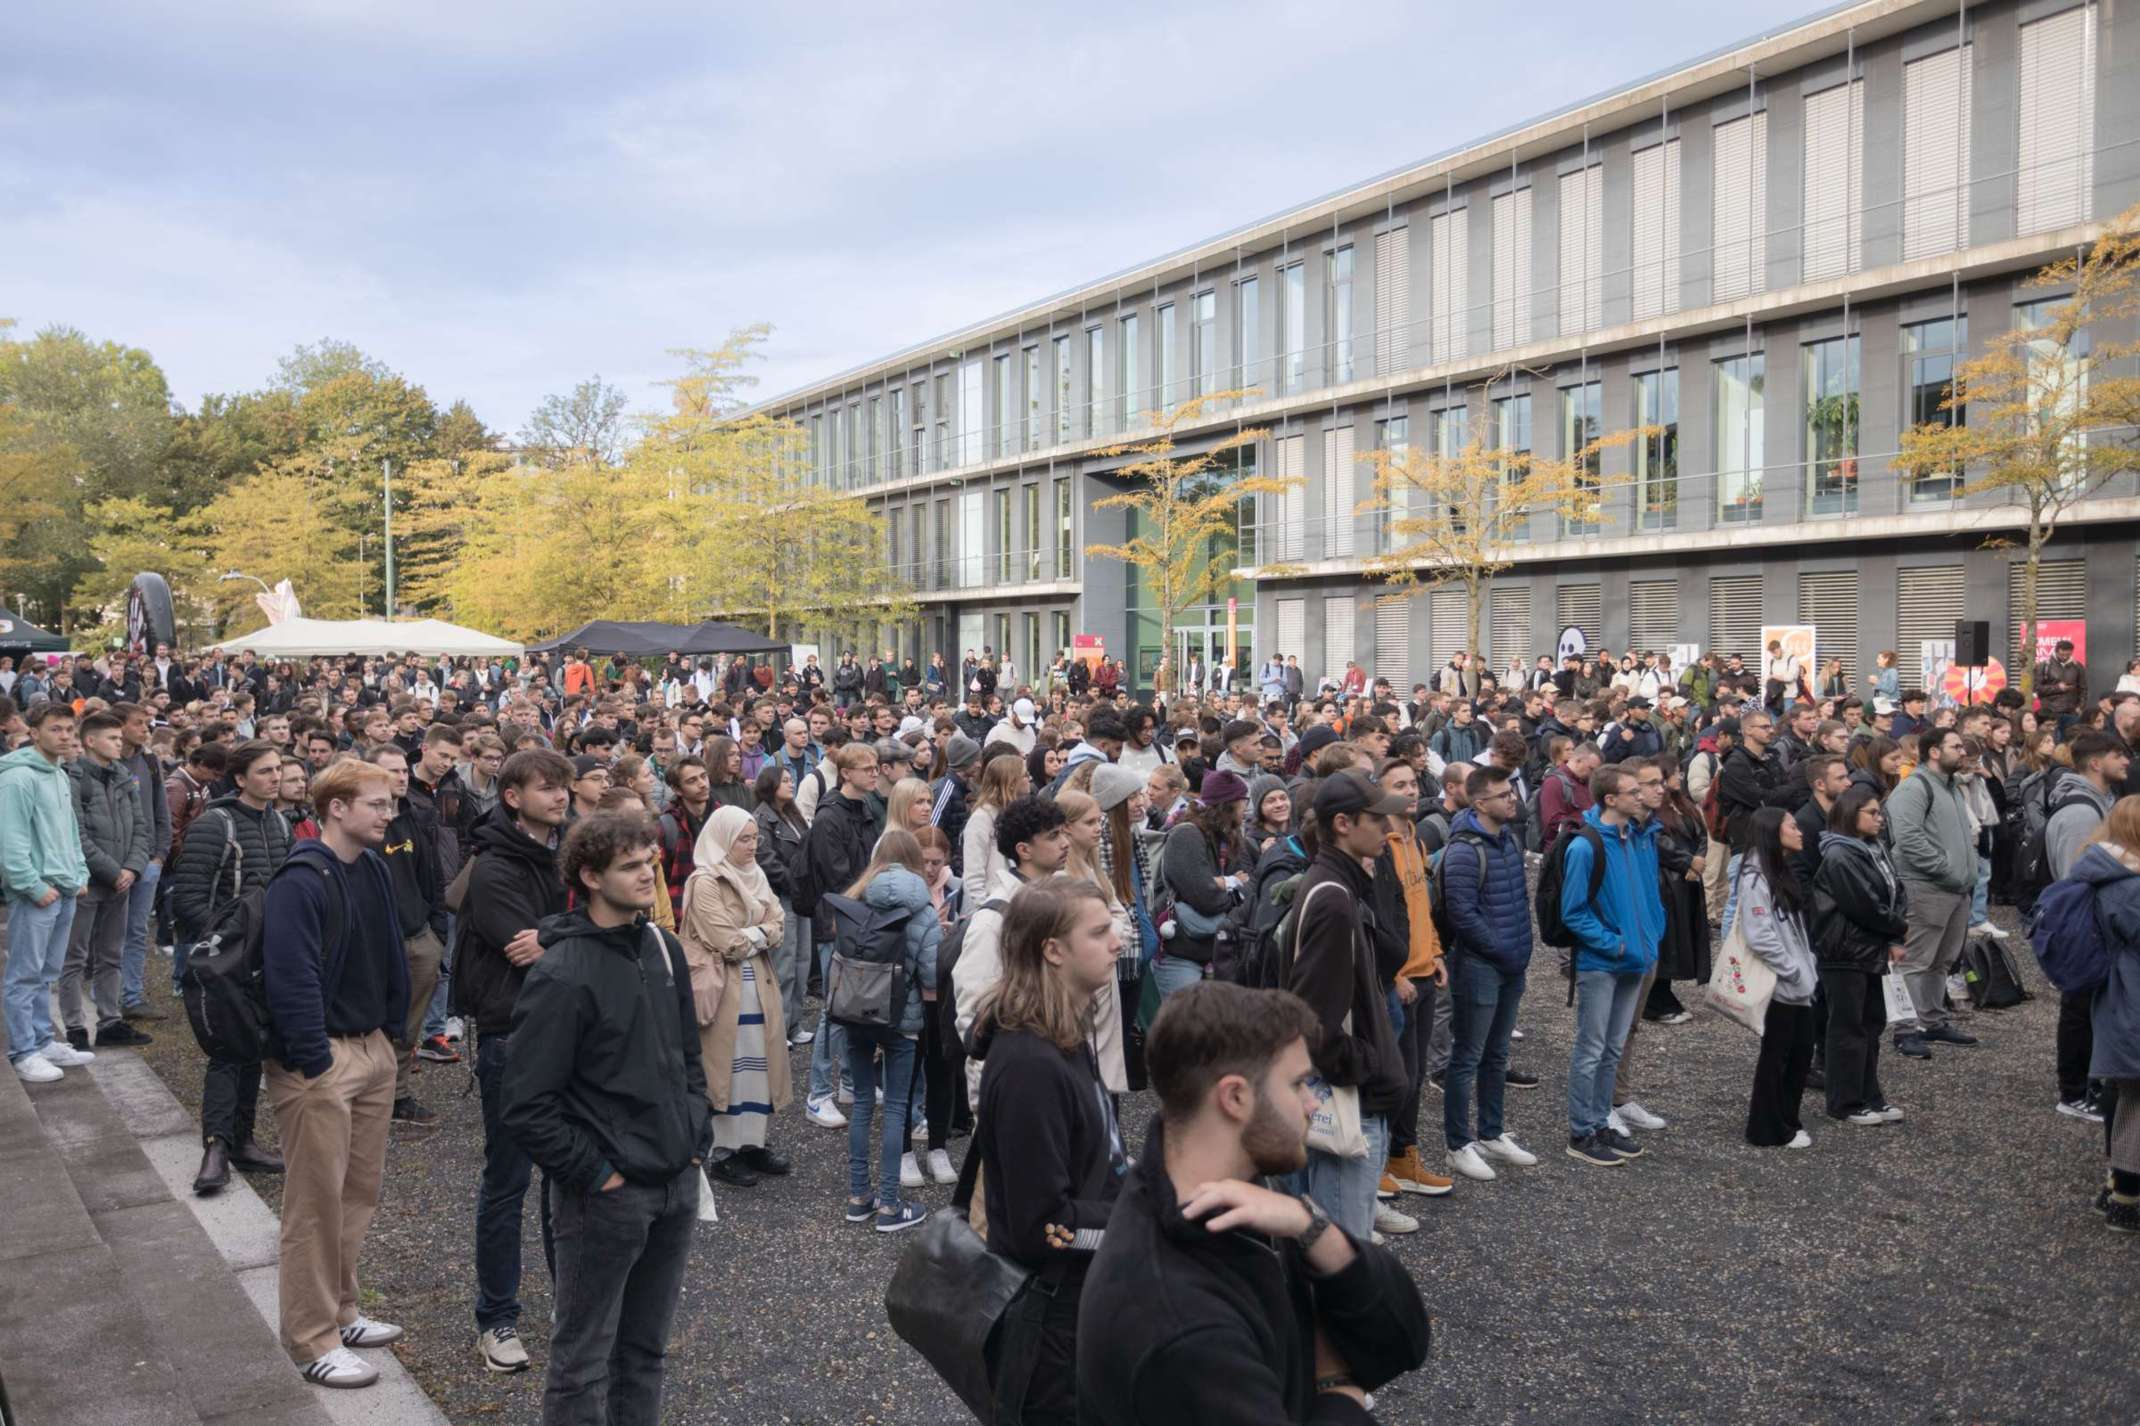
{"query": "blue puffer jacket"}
[(2116, 1012), (1484, 894), (1620, 931), (897, 888)]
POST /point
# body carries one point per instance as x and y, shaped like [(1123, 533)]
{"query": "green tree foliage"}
[(586, 426)]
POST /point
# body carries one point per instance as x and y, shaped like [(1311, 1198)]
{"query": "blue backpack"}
[(2067, 936)]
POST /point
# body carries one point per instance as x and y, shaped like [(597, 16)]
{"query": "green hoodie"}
[(40, 841)]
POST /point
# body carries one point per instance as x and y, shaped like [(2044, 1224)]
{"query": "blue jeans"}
[(828, 1052), (1345, 1188), (134, 952), (1731, 897), (36, 953), (862, 1047), (435, 1016), (1174, 973), (1605, 1006), (1482, 1016), (1980, 899), (621, 1257)]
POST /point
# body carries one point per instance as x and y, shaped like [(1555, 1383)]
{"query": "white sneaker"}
[(909, 1172), (1515, 1034), (1376, 1238), (341, 1368), (1389, 1220), (1990, 930), (66, 1056), (825, 1114), (846, 1094), (1508, 1151), (1890, 1113), (456, 1027), (36, 1069), (1865, 1116), (1641, 1118), (502, 1351), (940, 1169), (1466, 1161), (364, 1332), (802, 1037), (1616, 1123), (1800, 1140)]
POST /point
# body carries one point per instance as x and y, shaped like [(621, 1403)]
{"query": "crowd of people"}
[(985, 907)]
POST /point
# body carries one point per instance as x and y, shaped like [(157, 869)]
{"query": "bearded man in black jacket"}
[(1215, 1299)]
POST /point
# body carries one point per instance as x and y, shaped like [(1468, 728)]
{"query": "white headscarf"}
[(710, 855)]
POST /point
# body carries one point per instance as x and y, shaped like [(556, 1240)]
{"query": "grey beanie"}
[(961, 751), (1113, 785)]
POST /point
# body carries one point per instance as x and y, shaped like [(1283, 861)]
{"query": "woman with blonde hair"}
[(908, 807), (731, 921), (1004, 780)]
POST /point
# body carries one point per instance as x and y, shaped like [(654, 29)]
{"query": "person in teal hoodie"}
[(43, 871), (1617, 933)]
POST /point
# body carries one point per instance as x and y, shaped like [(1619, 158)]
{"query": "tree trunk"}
[(1472, 591), (2027, 680)]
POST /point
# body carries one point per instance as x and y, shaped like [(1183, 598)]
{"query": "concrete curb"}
[(247, 1236)]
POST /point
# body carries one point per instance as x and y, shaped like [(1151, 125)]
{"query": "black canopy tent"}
[(644, 638), (20, 636)]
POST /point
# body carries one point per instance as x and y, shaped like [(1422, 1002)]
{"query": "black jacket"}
[(605, 1073), (1744, 785), (513, 886), (206, 873), (1180, 1326), (780, 848), (838, 848), (1334, 971), (1859, 905), (1048, 1143)]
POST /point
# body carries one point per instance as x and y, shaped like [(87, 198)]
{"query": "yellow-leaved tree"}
[(2052, 409), (1458, 517), (1187, 510), (274, 525)]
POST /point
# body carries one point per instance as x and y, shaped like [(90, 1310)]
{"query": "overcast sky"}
[(499, 200)]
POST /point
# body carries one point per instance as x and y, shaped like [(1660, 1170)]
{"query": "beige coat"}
[(714, 928)]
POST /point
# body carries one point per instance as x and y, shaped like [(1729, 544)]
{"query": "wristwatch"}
[(1318, 1224)]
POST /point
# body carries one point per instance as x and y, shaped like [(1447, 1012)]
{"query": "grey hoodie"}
[(1933, 840), (2073, 823), (1779, 937)]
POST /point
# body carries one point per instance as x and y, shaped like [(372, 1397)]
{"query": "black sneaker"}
[(1520, 1079), (2122, 1215), (408, 1111), (78, 1038), (1948, 1035), (1436, 1079), (1914, 1046), (732, 1171), (1593, 1149), (439, 1051), (120, 1034), (1622, 1144)]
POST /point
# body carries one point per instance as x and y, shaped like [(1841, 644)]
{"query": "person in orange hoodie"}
[(579, 675), (1409, 951)]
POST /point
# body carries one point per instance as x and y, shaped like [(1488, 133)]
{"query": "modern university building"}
[(1775, 253)]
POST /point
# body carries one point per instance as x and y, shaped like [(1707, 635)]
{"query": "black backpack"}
[(2032, 869), (1987, 967), (1437, 898), (1552, 930), (1265, 960), (226, 984), (866, 979), (947, 960)]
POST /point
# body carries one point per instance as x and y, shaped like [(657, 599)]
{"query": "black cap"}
[(1351, 794), (1638, 701)]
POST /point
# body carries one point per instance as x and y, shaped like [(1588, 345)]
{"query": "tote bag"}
[(1895, 993), (949, 1296), (1741, 984), (1335, 1127)]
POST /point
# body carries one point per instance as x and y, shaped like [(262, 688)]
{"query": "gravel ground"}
[(1946, 1269)]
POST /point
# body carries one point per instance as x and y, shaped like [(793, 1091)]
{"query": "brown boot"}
[(1413, 1176)]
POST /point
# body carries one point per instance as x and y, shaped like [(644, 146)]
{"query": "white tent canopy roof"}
[(302, 638)]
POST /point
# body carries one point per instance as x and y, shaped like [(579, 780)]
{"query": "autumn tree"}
[(585, 426), (1457, 517), (129, 535), (1185, 510), (272, 526), (2052, 409)]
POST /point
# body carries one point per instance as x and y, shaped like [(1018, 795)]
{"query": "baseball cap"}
[(1024, 709), (1883, 706), (891, 750), (1728, 725), (586, 763), (1351, 794), (1638, 701)]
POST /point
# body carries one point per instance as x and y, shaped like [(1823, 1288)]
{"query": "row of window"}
[(1113, 376), (946, 543)]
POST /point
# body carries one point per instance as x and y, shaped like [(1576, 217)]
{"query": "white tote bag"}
[(1901, 1010), (1335, 1127), (1740, 983)]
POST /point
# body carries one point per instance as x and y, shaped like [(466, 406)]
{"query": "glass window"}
[(2058, 372), (1031, 439), (1064, 549), (1739, 436), (1248, 333), (1393, 435), (1582, 421), (1338, 326), (914, 550), (872, 471), (820, 453), (1204, 342), (1031, 562), (1005, 537), (1511, 436), (1292, 325), (973, 553), (1930, 351), (1829, 378), (1163, 325), (1132, 373), (1096, 377), (973, 413), (1452, 426), (1004, 439), (942, 412), (1657, 455), (1062, 389), (896, 437), (1061, 619)]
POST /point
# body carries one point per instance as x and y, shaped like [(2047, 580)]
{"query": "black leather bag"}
[(949, 1296)]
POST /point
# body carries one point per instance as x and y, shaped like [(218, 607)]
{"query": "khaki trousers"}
[(1716, 885), (426, 953), (333, 1131)]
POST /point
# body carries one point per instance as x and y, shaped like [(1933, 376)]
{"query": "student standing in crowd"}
[(608, 1094), (116, 841), (1486, 902), (44, 871), (1935, 854), (1859, 922), (1775, 929), (1617, 935), (841, 836)]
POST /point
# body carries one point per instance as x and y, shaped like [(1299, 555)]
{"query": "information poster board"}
[(2050, 631), (1798, 644)]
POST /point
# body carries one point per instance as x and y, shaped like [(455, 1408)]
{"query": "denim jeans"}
[(1174, 973), (862, 1047), (621, 1257), (435, 1015), (791, 965), (134, 955), (500, 1195), (37, 939), (1345, 1188), (1605, 1006), (1980, 895), (1484, 1012), (828, 1052), (1731, 897)]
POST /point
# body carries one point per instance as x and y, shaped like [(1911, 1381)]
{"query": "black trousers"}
[(1780, 1075), (2076, 1042), (1857, 1016), (1412, 1043), (230, 1101), (942, 1080)]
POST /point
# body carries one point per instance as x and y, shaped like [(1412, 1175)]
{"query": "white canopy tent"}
[(302, 638)]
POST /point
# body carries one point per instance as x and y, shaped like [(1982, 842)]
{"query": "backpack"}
[(1534, 816), (1552, 929), (947, 960), (226, 975), (1265, 958), (2067, 936), (866, 981), (2032, 869), (1713, 821), (1437, 898), (1988, 969)]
